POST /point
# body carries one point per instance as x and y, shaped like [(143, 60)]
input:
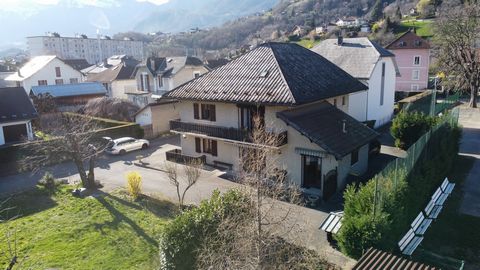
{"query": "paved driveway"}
[(470, 146)]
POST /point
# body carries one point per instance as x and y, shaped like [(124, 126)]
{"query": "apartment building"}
[(94, 50), (299, 96)]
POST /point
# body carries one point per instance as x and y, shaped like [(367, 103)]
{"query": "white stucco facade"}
[(48, 73), (155, 119), (288, 159), (372, 104)]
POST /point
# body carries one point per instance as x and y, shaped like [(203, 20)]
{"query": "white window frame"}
[(414, 87), (415, 78), (419, 60)]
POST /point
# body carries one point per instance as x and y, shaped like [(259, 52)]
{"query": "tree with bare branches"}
[(111, 108), (457, 37), (73, 138), (264, 237), (192, 172)]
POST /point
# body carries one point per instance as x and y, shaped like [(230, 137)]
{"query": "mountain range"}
[(70, 17)]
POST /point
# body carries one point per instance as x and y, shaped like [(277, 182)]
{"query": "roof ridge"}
[(281, 72)]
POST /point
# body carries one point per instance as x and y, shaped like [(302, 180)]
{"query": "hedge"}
[(379, 212), (407, 127)]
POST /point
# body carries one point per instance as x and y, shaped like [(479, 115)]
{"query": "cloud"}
[(155, 2)]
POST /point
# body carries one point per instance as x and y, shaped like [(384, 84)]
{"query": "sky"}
[(32, 7)]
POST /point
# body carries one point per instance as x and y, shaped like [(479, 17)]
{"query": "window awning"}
[(309, 152)]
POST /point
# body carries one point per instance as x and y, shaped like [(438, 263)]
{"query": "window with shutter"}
[(213, 116), (197, 145), (195, 111)]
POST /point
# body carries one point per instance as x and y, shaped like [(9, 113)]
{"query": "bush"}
[(407, 128), (182, 237), (134, 184), (48, 181)]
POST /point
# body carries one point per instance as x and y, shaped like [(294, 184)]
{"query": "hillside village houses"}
[(16, 114), (372, 65), (412, 54), (299, 95), (45, 70)]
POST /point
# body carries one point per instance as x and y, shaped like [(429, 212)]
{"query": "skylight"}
[(264, 74)]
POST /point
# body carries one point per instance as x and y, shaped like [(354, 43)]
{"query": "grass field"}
[(307, 43), (107, 231), (422, 28), (455, 235)]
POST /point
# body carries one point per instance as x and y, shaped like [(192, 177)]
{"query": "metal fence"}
[(388, 179), (424, 104)]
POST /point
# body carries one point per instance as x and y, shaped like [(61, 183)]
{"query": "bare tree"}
[(256, 239), (457, 33), (10, 254), (73, 138), (192, 172)]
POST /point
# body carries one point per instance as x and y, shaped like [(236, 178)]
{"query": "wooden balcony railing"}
[(221, 132)]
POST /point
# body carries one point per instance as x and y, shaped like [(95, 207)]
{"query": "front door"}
[(330, 185), (312, 171)]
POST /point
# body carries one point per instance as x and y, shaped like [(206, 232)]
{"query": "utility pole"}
[(434, 97)]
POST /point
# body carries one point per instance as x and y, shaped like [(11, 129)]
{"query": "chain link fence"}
[(389, 179)]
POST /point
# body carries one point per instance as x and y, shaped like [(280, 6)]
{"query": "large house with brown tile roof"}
[(298, 95)]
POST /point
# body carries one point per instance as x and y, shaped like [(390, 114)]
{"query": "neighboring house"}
[(350, 22), (77, 64), (109, 62), (157, 75), (71, 96), (16, 113), (82, 47), (45, 70), (153, 118), (299, 31), (212, 64), (3, 82), (374, 66), (118, 80), (298, 95), (412, 54)]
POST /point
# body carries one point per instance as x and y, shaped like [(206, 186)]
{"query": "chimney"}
[(344, 126), (340, 39), (19, 74), (152, 63)]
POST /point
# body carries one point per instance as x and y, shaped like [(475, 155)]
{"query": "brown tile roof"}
[(119, 72), (322, 123), (375, 259), (272, 73), (409, 40)]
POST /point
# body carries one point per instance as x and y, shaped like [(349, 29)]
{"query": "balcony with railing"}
[(234, 134)]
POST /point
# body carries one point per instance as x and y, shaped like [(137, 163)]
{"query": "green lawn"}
[(454, 235), (423, 28), (307, 43), (106, 232)]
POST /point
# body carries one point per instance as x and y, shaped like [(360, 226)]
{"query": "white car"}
[(123, 145)]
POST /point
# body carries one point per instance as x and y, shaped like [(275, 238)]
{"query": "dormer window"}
[(418, 43)]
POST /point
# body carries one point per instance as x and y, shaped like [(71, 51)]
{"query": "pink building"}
[(412, 54)]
